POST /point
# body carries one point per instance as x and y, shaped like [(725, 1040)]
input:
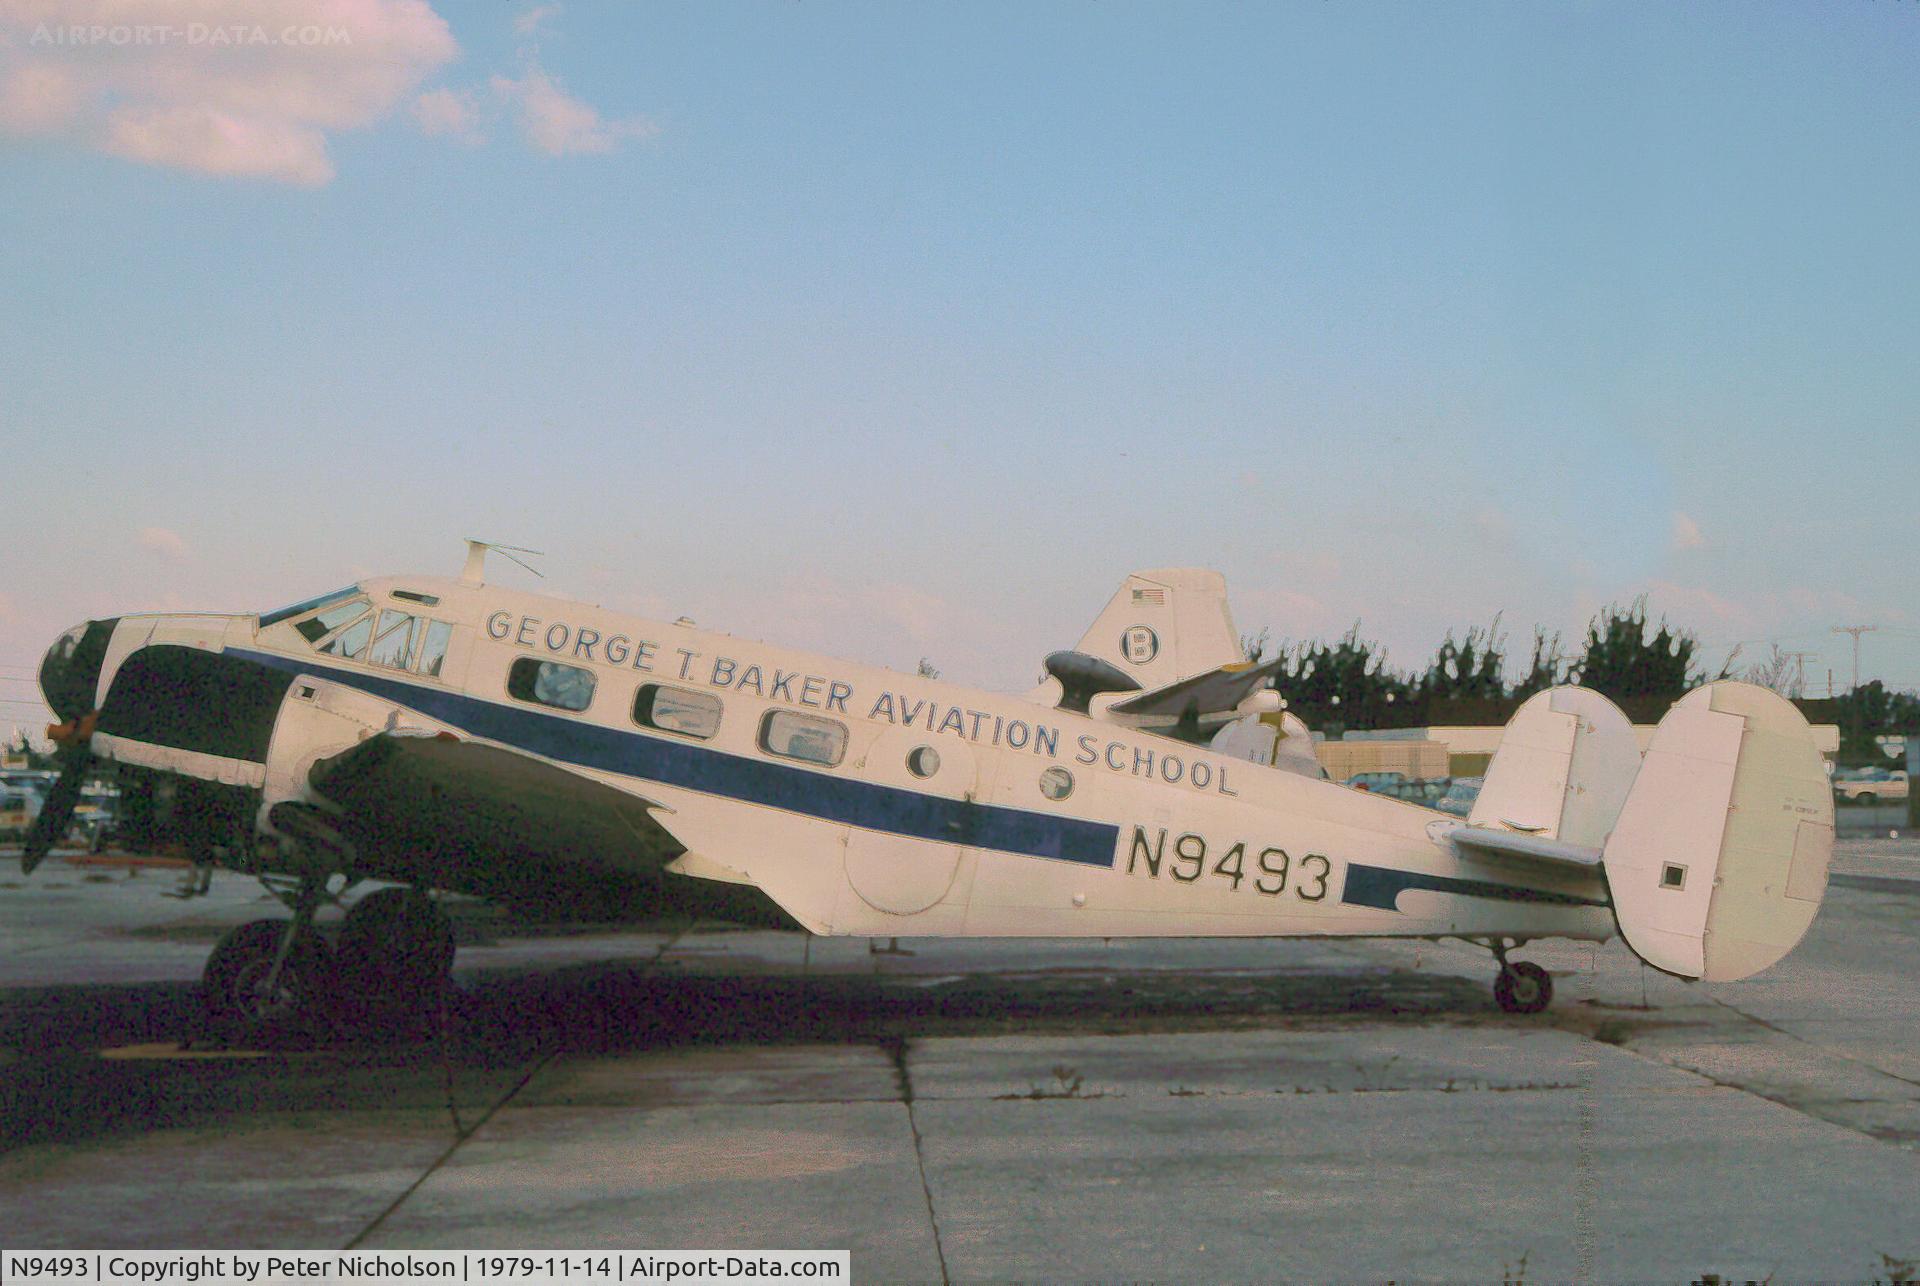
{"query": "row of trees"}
[(1642, 664), (1621, 657)]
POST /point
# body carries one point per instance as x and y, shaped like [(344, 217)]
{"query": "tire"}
[(395, 950), (231, 996), (1523, 988)]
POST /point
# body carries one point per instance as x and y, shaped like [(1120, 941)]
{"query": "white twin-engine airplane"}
[(452, 735)]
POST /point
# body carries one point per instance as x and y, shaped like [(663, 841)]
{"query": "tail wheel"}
[(1523, 988), (242, 997), (395, 950)]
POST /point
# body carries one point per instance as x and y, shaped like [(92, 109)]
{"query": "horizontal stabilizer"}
[(1218, 691), (1718, 862), (1477, 841), (1565, 763)]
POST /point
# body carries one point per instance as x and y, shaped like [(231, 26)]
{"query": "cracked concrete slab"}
[(274, 1182), (1332, 1060), (1598, 1185), (687, 1077), (750, 1176)]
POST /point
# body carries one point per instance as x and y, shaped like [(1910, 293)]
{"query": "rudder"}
[(1165, 625), (1718, 862)]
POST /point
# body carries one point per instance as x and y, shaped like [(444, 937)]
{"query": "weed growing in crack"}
[(1067, 1083)]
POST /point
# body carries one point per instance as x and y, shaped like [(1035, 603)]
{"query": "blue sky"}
[(898, 331)]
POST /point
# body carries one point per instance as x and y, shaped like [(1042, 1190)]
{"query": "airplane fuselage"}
[(862, 800)]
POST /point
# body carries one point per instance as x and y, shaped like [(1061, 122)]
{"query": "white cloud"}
[(528, 23), (37, 98), (558, 123), (246, 88), (214, 142), (446, 113), (164, 541), (1686, 533)]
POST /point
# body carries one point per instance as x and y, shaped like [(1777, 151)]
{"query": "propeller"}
[(56, 815), (69, 680)]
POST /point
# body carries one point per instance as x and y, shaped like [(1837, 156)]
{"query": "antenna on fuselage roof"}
[(477, 559)]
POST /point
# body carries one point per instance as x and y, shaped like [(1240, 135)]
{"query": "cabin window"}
[(414, 596), (306, 605), (693, 714), (393, 641), (434, 654), (923, 761), (564, 687), (1673, 876), (801, 736), (1056, 783), (352, 641), (318, 626)]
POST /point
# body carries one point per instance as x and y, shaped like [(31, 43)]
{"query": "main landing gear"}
[(269, 980), (1521, 987), (278, 980)]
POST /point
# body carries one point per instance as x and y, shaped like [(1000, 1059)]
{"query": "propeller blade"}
[(50, 827)]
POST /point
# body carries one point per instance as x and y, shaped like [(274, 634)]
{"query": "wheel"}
[(1866, 798), (395, 950), (233, 987), (1523, 988)]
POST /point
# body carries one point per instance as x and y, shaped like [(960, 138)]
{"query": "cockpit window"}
[(321, 624), (296, 609), (352, 641), (393, 641), (434, 654)]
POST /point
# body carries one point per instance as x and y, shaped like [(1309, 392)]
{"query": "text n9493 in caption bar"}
[(260, 1267)]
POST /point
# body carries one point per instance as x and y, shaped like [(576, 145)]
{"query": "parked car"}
[(1427, 792), (1460, 796), (18, 808), (1870, 785), (1375, 780)]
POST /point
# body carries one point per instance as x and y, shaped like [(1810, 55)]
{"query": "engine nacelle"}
[(318, 720)]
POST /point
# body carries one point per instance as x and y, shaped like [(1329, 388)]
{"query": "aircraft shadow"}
[(498, 1025)]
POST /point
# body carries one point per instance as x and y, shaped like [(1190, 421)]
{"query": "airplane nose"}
[(70, 672)]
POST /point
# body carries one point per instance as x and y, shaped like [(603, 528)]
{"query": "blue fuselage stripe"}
[(1380, 887), (867, 805)]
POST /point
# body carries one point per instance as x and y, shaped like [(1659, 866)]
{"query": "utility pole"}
[(1856, 631), (1799, 660)]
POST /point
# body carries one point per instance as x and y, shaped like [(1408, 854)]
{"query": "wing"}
[(496, 822)]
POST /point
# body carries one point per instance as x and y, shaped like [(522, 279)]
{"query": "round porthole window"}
[(923, 761), (1056, 783)]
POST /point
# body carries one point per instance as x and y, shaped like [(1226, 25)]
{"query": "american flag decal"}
[(1158, 597)]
